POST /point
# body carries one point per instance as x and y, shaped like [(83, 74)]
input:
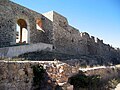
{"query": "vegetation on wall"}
[(93, 82), (38, 78), (83, 81)]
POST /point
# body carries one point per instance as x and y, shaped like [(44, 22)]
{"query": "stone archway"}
[(22, 32)]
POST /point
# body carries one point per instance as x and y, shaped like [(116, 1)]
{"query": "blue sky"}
[(100, 18)]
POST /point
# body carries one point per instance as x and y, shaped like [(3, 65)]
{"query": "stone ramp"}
[(18, 50)]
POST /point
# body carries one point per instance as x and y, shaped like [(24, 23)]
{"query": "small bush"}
[(38, 71), (82, 81)]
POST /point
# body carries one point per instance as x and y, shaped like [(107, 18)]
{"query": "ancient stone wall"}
[(56, 30), (69, 40)]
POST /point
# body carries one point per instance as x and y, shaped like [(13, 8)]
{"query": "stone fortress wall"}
[(57, 31), (57, 36), (68, 39)]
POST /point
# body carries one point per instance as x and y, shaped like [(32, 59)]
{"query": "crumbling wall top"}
[(85, 35)]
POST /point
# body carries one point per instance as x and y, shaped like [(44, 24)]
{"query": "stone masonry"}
[(55, 30), (18, 75)]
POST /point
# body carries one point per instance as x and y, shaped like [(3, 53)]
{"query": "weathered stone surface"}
[(57, 31), (18, 75), (21, 72)]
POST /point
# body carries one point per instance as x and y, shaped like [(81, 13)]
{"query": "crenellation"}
[(85, 35), (93, 39), (98, 41)]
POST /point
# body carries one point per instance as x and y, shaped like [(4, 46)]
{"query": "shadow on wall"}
[(81, 81), (42, 81), (82, 60), (101, 79)]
